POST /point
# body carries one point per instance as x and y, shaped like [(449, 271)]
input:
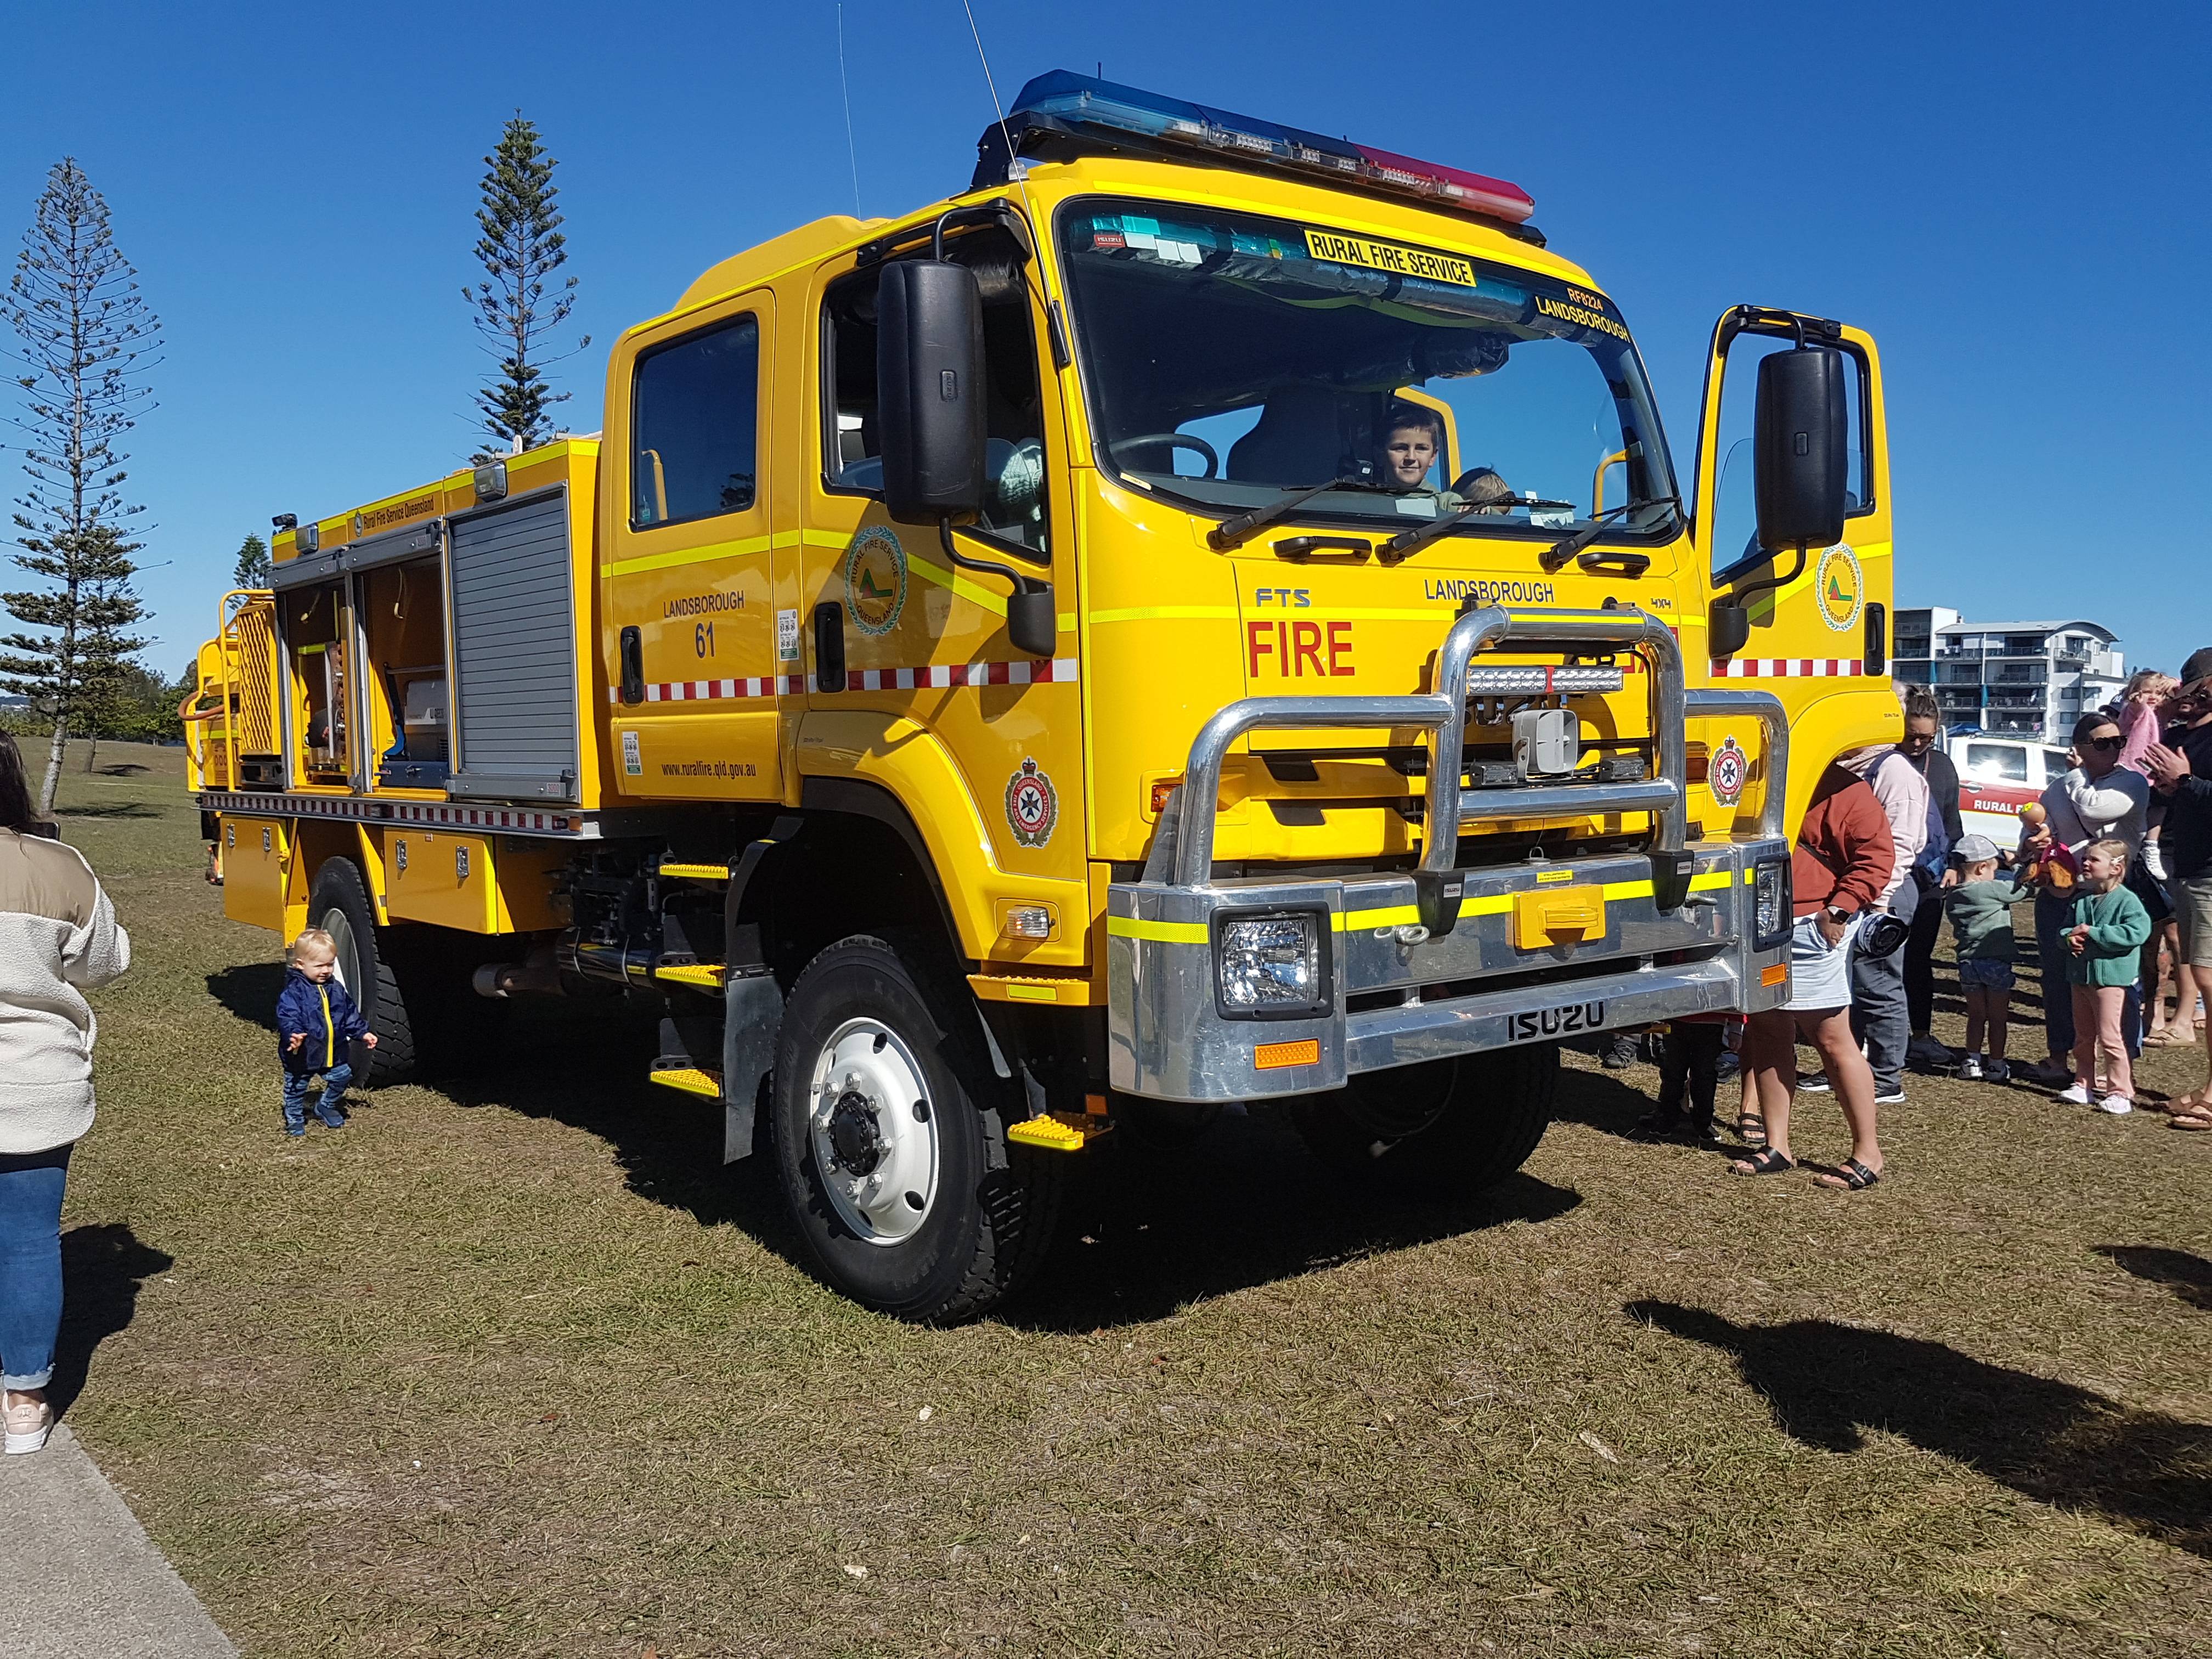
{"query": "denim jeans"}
[(336, 1081), (30, 1264)]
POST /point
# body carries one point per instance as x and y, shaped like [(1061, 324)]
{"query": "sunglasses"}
[(2105, 742)]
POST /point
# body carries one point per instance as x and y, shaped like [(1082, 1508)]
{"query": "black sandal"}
[(1751, 1129), (1851, 1176), (1765, 1162)]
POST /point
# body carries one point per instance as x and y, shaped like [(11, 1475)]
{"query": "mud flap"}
[(752, 1018)]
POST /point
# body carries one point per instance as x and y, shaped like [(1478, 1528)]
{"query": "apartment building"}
[(2028, 679)]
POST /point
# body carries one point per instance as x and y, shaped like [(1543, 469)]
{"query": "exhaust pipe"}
[(538, 975)]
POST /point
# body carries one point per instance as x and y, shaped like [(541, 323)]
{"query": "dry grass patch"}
[(511, 1367)]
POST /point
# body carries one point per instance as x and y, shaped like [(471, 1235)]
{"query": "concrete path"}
[(80, 1579)]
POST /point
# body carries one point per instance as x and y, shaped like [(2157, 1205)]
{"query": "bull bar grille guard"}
[(1414, 948)]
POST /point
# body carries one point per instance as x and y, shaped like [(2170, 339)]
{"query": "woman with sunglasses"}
[(2099, 799)]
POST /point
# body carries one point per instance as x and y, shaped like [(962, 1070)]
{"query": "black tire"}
[(367, 968), (1442, 1128), (988, 1221)]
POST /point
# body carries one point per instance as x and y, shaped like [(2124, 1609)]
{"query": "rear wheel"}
[(889, 1134), (339, 905), (1447, 1127)]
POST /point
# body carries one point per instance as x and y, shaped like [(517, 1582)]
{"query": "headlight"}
[(1270, 966), (1770, 904)]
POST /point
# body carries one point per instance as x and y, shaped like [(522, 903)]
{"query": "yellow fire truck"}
[(1206, 616)]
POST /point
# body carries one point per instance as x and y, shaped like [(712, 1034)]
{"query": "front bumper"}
[(1442, 961), (1399, 996)]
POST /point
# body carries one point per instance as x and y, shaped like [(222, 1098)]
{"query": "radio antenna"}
[(851, 149), (1015, 169)]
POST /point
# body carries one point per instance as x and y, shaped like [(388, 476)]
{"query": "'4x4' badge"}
[(1032, 805)]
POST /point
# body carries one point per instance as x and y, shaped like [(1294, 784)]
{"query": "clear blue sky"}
[(2013, 199)]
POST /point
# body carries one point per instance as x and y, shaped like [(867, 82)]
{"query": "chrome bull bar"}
[(1681, 932)]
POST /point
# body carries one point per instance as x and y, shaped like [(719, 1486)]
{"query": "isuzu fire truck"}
[(1207, 615)]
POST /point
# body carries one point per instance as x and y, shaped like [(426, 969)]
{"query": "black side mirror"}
[(1728, 628), (1798, 448), (929, 380)]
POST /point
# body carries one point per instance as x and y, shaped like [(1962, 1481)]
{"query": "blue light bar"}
[(1081, 100)]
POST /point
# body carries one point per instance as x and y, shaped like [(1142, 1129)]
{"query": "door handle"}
[(633, 666), (829, 646)]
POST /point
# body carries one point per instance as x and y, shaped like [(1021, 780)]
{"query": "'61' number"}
[(703, 639)]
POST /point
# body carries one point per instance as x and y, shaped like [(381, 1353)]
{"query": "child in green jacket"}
[(2111, 928), (1980, 908)]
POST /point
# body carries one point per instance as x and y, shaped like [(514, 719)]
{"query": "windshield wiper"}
[(1235, 532), (1560, 552), (1412, 541)]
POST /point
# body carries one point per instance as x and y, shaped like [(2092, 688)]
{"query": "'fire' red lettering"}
[(1305, 647)]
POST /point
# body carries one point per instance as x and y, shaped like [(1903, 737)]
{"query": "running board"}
[(688, 1079)]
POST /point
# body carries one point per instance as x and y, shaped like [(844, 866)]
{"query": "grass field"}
[(512, 1367)]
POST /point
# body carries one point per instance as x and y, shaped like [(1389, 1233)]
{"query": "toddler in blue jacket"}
[(316, 1025)]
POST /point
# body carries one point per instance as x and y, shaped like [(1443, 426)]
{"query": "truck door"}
[(686, 583), (1830, 618), (1820, 625), (922, 641)]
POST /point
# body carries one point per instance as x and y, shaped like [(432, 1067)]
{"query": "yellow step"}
[(706, 976), (697, 872), (1061, 1133), (691, 1082)]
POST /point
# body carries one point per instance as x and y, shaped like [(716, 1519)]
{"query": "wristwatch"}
[(1837, 914)]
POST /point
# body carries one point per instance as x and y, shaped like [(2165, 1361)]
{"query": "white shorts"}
[(1820, 974)]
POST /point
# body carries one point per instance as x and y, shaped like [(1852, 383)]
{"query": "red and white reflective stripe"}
[(480, 817), (1788, 668), (929, 677)]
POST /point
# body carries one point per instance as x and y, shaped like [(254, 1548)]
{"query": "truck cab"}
[(1208, 615)]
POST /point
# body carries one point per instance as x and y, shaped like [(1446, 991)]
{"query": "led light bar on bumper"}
[(1271, 966), (1081, 100), (1536, 680)]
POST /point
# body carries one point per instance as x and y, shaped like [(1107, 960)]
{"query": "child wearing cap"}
[(1980, 908)]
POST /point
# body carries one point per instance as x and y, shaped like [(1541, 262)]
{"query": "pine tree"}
[(252, 568), (84, 340), (521, 248)]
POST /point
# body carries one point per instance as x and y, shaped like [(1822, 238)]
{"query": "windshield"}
[(1231, 359)]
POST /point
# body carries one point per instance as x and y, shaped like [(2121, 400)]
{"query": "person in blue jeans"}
[(59, 939), (316, 1025)]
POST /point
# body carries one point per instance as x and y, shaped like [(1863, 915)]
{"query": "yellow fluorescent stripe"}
[(682, 556), (953, 582), (1628, 889), (1169, 613), (1165, 932), (1032, 994), (1711, 878), (1400, 915)]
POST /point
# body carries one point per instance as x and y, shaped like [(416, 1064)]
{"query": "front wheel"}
[(1446, 1127), (889, 1134)]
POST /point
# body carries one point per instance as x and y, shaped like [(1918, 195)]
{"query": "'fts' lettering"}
[(1294, 649)]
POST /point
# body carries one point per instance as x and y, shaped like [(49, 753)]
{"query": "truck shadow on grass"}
[(1827, 1384), (1143, 1232), (250, 991), (102, 1268), (2188, 1276)]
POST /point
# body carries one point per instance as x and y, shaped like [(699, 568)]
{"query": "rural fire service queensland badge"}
[(1032, 805), (1724, 773), (875, 581)]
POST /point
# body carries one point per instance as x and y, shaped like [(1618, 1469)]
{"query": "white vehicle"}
[(1999, 774)]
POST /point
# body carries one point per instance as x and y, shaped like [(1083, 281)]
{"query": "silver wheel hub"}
[(873, 1129), (333, 922)]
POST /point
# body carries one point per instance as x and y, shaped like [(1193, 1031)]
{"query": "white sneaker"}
[(29, 1422), (2118, 1105), (1971, 1069), (2074, 1094)]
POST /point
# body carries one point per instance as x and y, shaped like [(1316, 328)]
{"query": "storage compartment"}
[(315, 644), (257, 873), (475, 884), (515, 653), (403, 615)]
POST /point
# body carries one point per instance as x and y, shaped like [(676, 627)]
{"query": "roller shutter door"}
[(515, 653)]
